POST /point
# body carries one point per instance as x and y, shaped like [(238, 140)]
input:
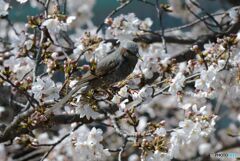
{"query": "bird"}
[(113, 68)]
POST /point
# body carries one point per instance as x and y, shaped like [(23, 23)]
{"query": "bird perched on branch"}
[(113, 68)]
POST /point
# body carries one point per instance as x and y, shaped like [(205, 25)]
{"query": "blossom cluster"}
[(126, 26), (190, 133), (83, 144)]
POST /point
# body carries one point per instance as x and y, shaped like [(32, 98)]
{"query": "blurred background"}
[(103, 7)]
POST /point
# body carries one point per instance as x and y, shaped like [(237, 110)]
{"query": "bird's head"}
[(131, 49)]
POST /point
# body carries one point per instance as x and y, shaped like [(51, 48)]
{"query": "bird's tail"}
[(66, 98)]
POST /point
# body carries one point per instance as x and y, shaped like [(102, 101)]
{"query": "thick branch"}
[(189, 54), (14, 129), (153, 38)]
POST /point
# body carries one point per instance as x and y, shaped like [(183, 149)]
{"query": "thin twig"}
[(40, 2), (122, 149), (147, 2), (208, 14), (6, 50), (200, 18), (113, 13), (65, 7), (58, 142), (160, 15), (193, 23), (224, 92), (12, 26), (25, 93), (38, 56), (46, 6)]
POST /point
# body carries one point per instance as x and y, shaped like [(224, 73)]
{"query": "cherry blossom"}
[(22, 67), (22, 1), (44, 88), (4, 8), (126, 26), (88, 146), (177, 83)]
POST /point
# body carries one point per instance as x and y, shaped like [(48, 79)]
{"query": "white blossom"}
[(142, 123), (77, 51), (116, 99), (28, 44), (123, 91), (122, 105), (160, 131), (133, 157), (126, 26), (45, 88), (204, 148), (22, 1), (238, 36), (2, 109), (3, 8), (87, 111), (70, 19), (148, 74), (202, 110), (189, 135), (234, 15), (3, 152), (177, 83), (186, 107), (54, 26), (159, 156), (82, 9), (207, 78), (21, 67), (88, 146), (146, 92)]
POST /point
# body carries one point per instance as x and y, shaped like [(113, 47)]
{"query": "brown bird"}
[(113, 68)]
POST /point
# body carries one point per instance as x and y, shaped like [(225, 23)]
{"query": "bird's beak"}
[(139, 56)]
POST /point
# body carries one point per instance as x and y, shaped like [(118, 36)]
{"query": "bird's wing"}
[(106, 66)]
